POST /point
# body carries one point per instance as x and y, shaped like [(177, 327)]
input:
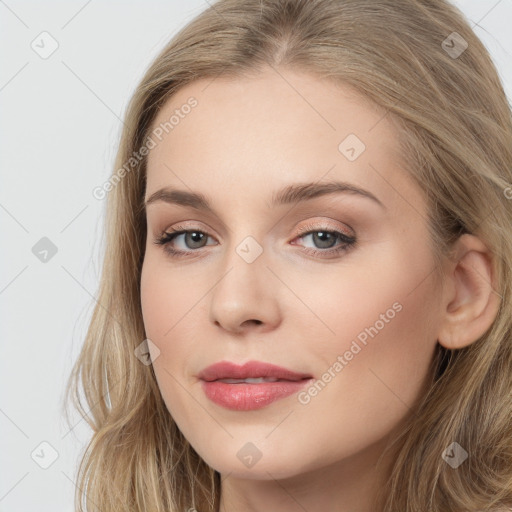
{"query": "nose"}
[(245, 298)]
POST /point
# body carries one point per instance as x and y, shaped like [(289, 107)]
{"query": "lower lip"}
[(248, 397)]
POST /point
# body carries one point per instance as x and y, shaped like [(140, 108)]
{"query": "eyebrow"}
[(290, 194)]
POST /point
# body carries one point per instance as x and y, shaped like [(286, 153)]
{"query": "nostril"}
[(257, 322)]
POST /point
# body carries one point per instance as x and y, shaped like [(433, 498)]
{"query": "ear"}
[(470, 301)]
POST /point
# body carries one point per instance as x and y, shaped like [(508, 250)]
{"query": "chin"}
[(262, 470)]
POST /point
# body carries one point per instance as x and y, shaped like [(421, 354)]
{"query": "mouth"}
[(226, 370), (251, 386), (249, 380)]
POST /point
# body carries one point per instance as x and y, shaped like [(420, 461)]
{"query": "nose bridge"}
[(246, 261), (248, 238)]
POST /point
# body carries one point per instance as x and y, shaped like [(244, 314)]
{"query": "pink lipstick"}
[(251, 386)]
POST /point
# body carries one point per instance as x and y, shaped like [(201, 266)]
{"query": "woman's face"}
[(280, 282)]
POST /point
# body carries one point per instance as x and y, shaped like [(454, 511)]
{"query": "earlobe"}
[(470, 300)]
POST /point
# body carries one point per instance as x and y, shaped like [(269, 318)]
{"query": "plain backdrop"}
[(60, 123)]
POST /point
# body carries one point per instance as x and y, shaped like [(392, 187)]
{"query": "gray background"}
[(60, 124)]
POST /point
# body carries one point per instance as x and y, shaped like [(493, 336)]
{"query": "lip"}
[(249, 396), (251, 369)]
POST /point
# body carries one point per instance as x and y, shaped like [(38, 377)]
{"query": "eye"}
[(194, 239), (326, 238), (322, 236)]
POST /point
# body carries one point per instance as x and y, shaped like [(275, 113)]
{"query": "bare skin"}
[(246, 139)]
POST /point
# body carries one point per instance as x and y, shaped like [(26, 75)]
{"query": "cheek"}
[(386, 338), (375, 342), (174, 309), (166, 296), (166, 300), (401, 318)]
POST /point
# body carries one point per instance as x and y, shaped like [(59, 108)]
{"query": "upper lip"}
[(251, 369)]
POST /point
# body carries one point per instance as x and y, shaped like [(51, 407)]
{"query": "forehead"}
[(266, 131)]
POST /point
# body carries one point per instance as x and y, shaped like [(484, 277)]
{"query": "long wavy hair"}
[(454, 126)]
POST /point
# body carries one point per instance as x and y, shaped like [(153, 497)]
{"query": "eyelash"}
[(349, 242)]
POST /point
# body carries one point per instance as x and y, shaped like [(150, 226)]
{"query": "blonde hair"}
[(455, 132)]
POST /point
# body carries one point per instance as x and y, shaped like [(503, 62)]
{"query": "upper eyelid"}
[(306, 209), (318, 221)]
